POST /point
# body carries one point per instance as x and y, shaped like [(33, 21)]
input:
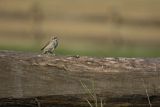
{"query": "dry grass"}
[(92, 94), (146, 91)]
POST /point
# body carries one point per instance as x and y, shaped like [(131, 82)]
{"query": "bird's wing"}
[(45, 46), (56, 44)]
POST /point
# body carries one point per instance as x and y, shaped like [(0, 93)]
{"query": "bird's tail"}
[(42, 49)]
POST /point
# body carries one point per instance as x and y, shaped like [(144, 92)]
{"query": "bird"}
[(50, 46)]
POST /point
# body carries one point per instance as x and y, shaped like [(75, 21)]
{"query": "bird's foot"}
[(76, 56), (53, 54)]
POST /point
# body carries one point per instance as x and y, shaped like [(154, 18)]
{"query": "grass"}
[(92, 95), (104, 52), (93, 21), (146, 91), (111, 51), (70, 20)]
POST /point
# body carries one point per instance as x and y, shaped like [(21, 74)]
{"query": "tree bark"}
[(117, 81)]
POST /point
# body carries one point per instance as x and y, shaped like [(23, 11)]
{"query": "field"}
[(85, 27)]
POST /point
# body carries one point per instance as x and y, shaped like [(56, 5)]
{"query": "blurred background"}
[(109, 28)]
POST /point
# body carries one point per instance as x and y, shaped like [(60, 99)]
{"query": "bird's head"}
[(54, 37)]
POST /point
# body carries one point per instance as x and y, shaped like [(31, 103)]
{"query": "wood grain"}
[(28, 75)]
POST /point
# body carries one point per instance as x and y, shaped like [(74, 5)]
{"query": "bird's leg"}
[(44, 52), (52, 53)]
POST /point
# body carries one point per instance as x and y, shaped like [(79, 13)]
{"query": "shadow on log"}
[(32, 80)]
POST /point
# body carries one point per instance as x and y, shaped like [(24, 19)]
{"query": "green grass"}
[(112, 51), (135, 52)]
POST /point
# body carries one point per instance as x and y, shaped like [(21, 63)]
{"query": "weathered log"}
[(117, 80)]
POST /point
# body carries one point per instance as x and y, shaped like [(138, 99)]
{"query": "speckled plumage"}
[(50, 46)]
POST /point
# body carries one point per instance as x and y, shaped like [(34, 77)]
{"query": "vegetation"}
[(92, 95), (92, 27)]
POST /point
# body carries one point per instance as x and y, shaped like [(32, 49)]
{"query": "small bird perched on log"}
[(50, 46)]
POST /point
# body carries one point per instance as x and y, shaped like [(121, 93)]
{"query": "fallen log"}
[(117, 81)]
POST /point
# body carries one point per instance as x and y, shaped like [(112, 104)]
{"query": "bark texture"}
[(35, 79)]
